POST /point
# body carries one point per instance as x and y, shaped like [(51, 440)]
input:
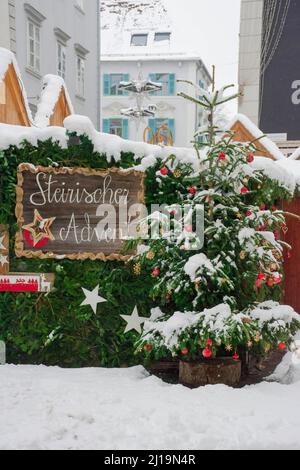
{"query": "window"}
[(33, 46), (168, 83), (161, 37), (116, 126), (111, 84), (80, 76), (139, 39), (157, 125), (61, 60)]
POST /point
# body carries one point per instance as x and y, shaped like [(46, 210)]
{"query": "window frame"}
[(63, 59), (80, 83), (162, 33), (135, 35), (36, 56)]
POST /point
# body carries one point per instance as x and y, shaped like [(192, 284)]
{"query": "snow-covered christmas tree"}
[(222, 299)]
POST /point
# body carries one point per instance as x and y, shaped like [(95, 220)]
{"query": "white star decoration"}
[(3, 260), (2, 247), (92, 298), (133, 321)]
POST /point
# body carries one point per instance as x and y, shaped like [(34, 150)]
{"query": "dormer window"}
[(162, 37), (139, 39)]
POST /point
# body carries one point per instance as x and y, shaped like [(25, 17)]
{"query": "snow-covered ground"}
[(51, 408)]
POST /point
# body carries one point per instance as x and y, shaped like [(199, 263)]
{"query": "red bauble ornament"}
[(192, 190), (236, 357), (277, 280), (207, 353), (261, 276), (281, 346), (249, 213), (209, 343), (189, 228), (164, 171), (156, 272), (250, 158), (148, 347), (222, 156), (270, 282), (244, 190), (184, 351)]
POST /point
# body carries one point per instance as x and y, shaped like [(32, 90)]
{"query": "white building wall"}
[(80, 26), (4, 24), (172, 107), (249, 58)]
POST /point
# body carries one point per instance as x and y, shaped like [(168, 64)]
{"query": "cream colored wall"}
[(249, 57)]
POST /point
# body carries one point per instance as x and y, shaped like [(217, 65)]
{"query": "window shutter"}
[(106, 126), (152, 78), (172, 84), (106, 84), (125, 129), (152, 125), (172, 127), (126, 78)]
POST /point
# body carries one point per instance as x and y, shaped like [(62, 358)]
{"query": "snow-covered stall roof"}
[(246, 131), (292, 167), (55, 103), (113, 146), (10, 75)]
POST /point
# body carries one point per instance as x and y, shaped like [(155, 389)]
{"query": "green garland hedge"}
[(77, 337), (53, 329)]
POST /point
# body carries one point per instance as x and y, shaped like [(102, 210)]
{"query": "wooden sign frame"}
[(20, 249)]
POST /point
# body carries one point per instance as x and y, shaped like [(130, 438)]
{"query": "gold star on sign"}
[(40, 228)]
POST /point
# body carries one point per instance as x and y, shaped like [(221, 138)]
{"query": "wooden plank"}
[(292, 264), (78, 210), (4, 249)]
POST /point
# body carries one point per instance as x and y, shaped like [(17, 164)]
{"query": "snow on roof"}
[(292, 167), (16, 135), (112, 146), (6, 59), (295, 155), (269, 145), (123, 18), (277, 171), (52, 87)]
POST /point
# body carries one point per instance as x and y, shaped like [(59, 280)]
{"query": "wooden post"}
[(4, 249)]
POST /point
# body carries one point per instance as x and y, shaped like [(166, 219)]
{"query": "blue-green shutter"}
[(152, 78), (106, 126), (152, 125), (172, 84), (106, 84), (125, 129), (126, 78), (172, 127)]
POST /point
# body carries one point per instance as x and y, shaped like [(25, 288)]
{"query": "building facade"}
[(269, 71), (59, 37), (137, 42)]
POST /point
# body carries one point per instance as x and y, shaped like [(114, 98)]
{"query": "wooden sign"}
[(76, 213)]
